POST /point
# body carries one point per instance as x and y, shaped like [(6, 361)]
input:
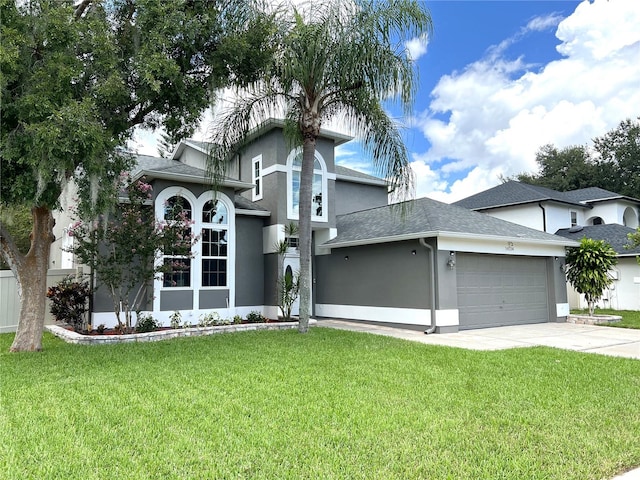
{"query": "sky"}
[(500, 79)]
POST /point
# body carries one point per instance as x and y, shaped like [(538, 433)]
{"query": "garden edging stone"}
[(79, 339)]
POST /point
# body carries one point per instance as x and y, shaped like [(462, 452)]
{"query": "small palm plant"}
[(587, 269)]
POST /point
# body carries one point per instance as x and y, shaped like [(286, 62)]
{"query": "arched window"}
[(177, 268), (318, 188), (214, 244)]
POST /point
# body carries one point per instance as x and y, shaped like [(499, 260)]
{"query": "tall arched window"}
[(318, 188), (178, 268), (214, 244)]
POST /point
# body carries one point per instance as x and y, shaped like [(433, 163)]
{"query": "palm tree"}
[(333, 60)]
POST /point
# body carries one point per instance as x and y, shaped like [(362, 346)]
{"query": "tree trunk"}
[(304, 215), (31, 275)]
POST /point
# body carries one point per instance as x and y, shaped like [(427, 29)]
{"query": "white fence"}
[(10, 302)]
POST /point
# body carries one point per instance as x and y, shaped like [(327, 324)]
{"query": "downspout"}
[(544, 217), (432, 286)]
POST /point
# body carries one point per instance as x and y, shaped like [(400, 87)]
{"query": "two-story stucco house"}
[(592, 212), (436, 265)]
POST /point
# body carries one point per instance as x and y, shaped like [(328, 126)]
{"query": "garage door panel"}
[(495, 290)]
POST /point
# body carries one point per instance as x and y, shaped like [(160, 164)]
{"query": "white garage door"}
[(496, 290)]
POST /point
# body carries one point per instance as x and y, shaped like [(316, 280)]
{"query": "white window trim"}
[(196, 265), (291, 213), (254, 177)]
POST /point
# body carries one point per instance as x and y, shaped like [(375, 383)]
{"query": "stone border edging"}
[(79, 339), (594, 320)]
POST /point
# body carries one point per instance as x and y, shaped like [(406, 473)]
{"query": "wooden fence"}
[(10, 302)]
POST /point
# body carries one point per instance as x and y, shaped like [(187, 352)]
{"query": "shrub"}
[(256, 317), (237, 319), (174, 319), (587, 268), (212, 319), (69, 301), (146, 323)]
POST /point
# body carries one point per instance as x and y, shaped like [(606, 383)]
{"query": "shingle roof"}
[(614, 234), (513, 193), (245, 204), (427, 217), (147, 163), (594, 194), (517, 193), (349, 172), (157, 167)]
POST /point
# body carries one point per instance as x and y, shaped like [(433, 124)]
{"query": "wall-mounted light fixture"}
[(346, 257), (414, 252), (451, 263)]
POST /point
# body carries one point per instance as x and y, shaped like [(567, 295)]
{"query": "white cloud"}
[(538, 24), (499, 113), (417, 47)]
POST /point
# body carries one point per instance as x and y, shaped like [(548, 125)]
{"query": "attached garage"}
[(486, 272), (497, 290)]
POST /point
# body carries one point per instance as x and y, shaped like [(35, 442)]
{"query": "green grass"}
[(630, 318), (327, 405)]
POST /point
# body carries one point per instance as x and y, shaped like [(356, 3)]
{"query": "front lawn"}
[(326, 405), (630, 318)]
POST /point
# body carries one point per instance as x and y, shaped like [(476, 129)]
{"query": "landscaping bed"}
[(111, 336)]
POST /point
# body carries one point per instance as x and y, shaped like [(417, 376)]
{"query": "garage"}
[(497, 290)]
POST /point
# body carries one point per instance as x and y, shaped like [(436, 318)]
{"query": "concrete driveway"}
[(619, 342)]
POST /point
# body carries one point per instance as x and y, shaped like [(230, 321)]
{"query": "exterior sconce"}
[(414, 252), (346, 257), (451, 263)]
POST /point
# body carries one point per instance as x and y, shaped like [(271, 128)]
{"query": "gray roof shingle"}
[(513, 193), (355, 174), (614, 234), (427, 217), (518, 193)]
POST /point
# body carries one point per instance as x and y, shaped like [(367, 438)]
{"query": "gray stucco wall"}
[(352, 197), (249, 261), (275, 149), (384, 275)]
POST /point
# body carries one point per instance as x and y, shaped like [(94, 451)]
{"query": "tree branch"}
[(80, 8), (10, 253)]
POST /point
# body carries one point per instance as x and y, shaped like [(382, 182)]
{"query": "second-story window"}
[(318, 188), (256, 176), (574, 219)]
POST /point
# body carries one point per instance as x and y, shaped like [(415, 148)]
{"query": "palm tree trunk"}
[(31, 275), (304, 215)]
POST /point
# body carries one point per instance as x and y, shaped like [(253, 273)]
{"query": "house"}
[(592, 212), (400, 264)]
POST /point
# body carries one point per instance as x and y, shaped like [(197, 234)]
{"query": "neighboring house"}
[(624, 292), (371, 261), (592, 212)]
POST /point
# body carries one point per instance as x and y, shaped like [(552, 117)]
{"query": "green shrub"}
[(256, 317), (146, 323)]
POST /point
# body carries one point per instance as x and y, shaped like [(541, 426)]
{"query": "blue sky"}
[(500, 79)]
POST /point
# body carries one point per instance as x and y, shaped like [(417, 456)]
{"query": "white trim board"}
[(411, 316)]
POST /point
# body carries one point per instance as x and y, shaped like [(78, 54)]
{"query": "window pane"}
[(176, 205), (214, 213), (295, 190), (214, 243), (214, 273), (178, 272), (316, 198)]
